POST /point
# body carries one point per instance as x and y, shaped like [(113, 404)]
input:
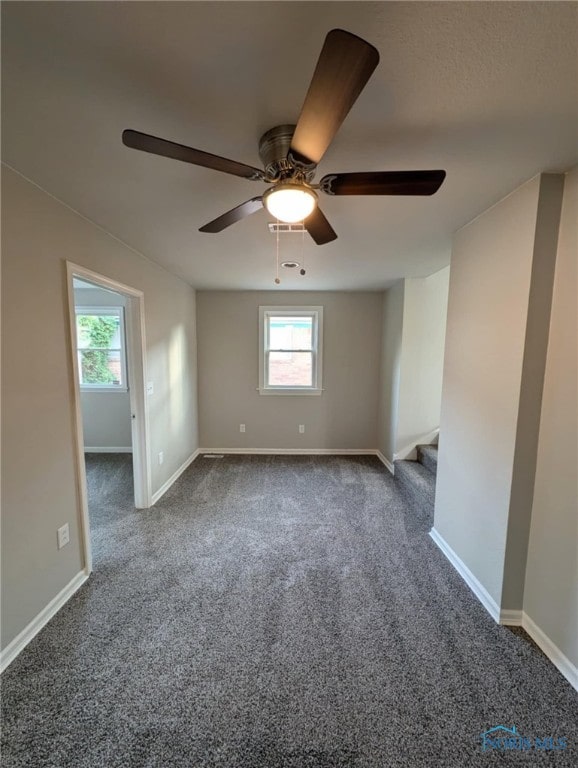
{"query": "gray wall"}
[(551, 590), (106, 421), (412, 353), (343, 417), (39, 491), (490, 289), (106, 416), (392, 326), (425, 306), (532, 384)]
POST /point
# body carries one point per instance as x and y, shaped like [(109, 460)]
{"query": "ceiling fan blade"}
[(383, 183), (319, 228), (235, 214), (156, 146), (345, 65)]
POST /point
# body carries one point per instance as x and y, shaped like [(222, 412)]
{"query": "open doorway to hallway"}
[(101, 350), (107, 346)]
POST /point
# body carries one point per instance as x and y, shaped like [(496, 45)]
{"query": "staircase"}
[(417, 479)]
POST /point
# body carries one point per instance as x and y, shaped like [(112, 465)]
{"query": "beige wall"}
[(344, 416), (551, 590), (422, 356), (392, 326), (490, 282), (38, 462)]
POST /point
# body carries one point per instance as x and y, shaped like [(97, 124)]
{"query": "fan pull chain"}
[(277, 280), (302, 270)]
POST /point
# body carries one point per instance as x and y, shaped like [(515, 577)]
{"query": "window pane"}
[(290, 369), (99, 366), (98, 331), (290, 332)]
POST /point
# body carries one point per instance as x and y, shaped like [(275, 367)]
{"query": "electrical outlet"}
[(150, 388), (301, 428), (241, 427), (63, 536), (161, 457)]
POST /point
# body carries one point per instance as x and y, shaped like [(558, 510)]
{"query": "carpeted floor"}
[(274, 612)]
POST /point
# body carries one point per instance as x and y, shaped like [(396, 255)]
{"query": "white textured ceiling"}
[(488, 91)]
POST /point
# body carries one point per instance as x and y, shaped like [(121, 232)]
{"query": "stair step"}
[(428, 456), (418, 484)]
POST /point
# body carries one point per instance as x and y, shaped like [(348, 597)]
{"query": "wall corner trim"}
[(473, 583), (510, 618), (386, 461), (175, 476), (29, 632), (558, 659)]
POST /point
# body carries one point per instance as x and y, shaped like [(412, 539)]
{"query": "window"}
[(101, 349), (290, 350)]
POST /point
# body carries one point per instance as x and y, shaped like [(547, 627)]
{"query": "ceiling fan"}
[(290, 154)]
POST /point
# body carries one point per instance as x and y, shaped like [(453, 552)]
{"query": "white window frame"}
[(100, 310), (316, 314)]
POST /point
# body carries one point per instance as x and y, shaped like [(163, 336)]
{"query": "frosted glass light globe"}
[(290, 202)]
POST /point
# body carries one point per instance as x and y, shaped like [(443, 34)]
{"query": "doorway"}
[(107, 343)]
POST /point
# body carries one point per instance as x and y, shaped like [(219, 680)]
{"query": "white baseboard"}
[(473, 583), (294, 451), (558, 659), (515, 618), (175, 476), (29, 632), (386, 461), (409, 452), (107, 449)]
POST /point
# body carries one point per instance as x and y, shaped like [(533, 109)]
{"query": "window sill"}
[(284, 391), (104, 390)]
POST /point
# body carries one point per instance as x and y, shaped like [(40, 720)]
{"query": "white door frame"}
[(136, 359)]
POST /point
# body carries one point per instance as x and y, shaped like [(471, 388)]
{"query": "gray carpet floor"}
[(274, 612)]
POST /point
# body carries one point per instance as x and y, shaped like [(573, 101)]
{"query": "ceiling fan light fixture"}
[(290, 202)]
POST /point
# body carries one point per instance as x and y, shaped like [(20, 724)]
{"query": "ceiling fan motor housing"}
[(274, 146), (290, 154)]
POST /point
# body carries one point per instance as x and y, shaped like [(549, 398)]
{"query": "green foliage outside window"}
[(98, 330)]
